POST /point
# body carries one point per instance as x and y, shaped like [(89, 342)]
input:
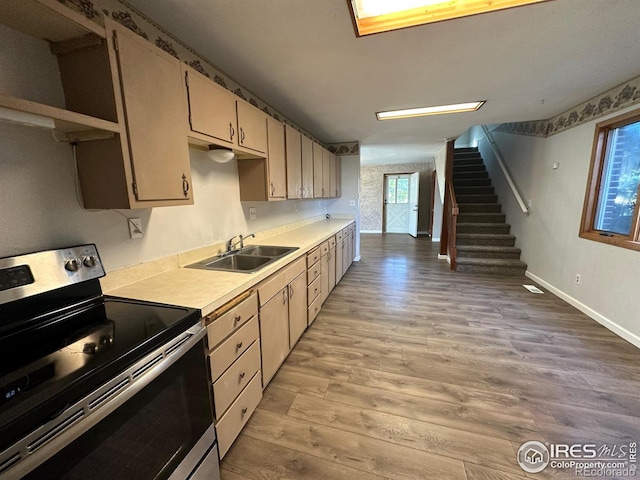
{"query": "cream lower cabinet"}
[(233, 336), (332, 263), (324, 270), (339, 257), (314, 284), (275, 316), (297, 308)]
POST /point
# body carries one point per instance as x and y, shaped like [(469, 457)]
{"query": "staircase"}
[(483, 242)]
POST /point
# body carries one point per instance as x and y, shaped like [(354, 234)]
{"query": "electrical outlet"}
[(135, 227), (252, 213), (296, 206), (577, 279), (352, 203)]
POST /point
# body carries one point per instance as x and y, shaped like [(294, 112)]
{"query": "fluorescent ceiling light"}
[(436, 110), (375, 16)]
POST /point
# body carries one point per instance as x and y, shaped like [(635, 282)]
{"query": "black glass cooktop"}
[(48, 366)]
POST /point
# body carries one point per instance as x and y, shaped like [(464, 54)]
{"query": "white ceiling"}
[(302, 57)]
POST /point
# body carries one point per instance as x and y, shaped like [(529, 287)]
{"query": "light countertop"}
[(207, 290)]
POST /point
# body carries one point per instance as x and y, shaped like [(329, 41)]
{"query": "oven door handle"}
[(47, 440)]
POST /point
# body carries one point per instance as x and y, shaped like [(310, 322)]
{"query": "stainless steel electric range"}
[(93, 386)]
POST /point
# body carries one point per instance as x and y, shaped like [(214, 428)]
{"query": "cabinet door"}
[(317, 170), (345, 254), (212, 109), (326, 173), (338, 177), (293, 156), (324, 275), (252, 127), (332, 268), (307, 166), (339, 255), (333, 192), (274, 334), (277, 186), (297, 308), (151, 84)]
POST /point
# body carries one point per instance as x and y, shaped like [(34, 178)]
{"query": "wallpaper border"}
[(622, 96)]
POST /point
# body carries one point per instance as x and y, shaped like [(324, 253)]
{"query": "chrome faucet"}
[(242, 239), (231, 245)]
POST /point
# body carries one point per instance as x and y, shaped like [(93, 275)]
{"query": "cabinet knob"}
[(239, 346), (244, 411), (273, 189), (241, 135), (290, 291), (242, 374), (232, 132), (284, 296), (237, 319)]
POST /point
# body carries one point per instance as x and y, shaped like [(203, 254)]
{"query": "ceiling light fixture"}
[(436, 110), (375, 16), (220, 154)]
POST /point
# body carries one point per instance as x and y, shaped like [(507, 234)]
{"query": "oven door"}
[(156, 423)]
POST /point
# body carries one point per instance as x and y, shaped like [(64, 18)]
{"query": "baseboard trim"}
[(370, 231), (590, 312), (357, 259)]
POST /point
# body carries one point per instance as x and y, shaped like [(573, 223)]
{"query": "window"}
[(397, 190), (610, 210)]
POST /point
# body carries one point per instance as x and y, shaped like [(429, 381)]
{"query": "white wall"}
[(39, 209), (548, 236)]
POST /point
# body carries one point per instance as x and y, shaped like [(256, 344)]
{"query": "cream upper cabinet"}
[(252, 129), (338, 176), (307, 167), (317, 170), (265, 178), (326, 173), (148, 164), (293, 156), (211, 108), (276, 160)]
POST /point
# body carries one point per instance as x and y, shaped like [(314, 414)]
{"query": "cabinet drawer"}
[(225, 323), (313, 272), (332, 242), (231, 383), (324, 248), (339, 236), (229, 426), (234, 346), (276, 282), (314, 309), (314, 289), (313, 256)]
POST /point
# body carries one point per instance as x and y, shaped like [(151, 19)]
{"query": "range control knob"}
[(72, 265), (90, 261)]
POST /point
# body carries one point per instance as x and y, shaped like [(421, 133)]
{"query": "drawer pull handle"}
[(244, 411), (242, 374), (239, 345), (237, 319)]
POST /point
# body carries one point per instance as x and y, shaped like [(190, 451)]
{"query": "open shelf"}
[(74, 126)]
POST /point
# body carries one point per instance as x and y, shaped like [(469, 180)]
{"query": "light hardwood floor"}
[(412, 371)]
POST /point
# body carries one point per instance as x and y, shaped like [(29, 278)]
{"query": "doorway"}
[(400, 213)]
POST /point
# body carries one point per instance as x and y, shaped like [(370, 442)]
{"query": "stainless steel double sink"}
[(247, 260)]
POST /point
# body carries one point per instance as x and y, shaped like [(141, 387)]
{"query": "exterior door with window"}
[(396, 203), (414, 190)]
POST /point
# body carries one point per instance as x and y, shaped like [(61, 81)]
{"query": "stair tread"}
[(484, 225), (494, 262), (485, 235), (488, 248)]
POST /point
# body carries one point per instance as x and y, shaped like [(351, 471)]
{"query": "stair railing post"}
[(448, 235)]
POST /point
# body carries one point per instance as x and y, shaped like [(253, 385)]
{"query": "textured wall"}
[(371, 190)]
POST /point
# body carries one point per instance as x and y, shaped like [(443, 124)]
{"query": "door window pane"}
[(619, 181), (402, 194), (391, 190)]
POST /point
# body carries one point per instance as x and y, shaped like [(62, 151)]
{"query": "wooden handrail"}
[(451, 210)]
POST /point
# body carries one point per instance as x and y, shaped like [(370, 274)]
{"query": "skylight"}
[(435, 110), (375, 16)]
